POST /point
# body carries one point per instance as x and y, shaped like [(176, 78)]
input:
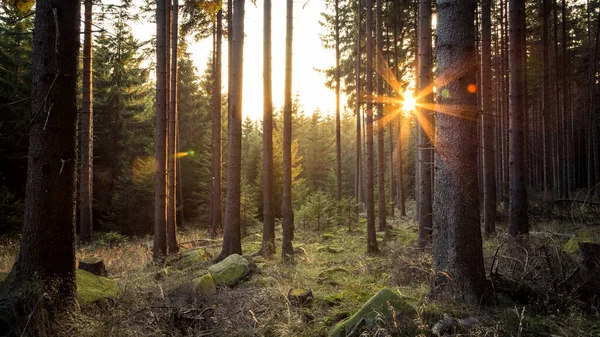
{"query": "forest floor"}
[(334, 266)]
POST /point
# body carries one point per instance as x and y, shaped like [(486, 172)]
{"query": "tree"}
[(381, 204), (45, 267), (458, 252), (358, 169), (518, 223), (215, 209), (338, 145), (160, 186), (86, 220), (424, 126), (487, 144), (268, 240), (370, 202), (231, 234), (547, 102), (287, 250), (173, 134)]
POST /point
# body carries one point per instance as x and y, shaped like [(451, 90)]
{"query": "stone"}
[(386, 304), (191, 257), (94, 265), (92, 288), (300, 297), (229, 271), (205, 284)]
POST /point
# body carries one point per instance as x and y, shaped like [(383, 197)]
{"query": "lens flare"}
[(409, 102), (181, 154)]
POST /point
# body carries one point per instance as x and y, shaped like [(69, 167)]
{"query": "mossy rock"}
[(572, 246), (192, 257), (91, 288), (379, 305), (205, 284), (229, 271)]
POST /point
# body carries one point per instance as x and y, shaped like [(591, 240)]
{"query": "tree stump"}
[(300, 297), (94, 265)]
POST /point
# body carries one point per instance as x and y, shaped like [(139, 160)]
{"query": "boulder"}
[(205, 284), (191, 257), (229, 271), (386, 304), (94, 265), (91, 288), (300, 297)]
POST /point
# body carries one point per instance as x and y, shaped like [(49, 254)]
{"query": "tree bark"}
[(370, 198), (46, 261), (86, 219), (425, 126), (381, 206), (216, 225), (489, 154), (160, 188), (173, 126), (268, 242), (232, 241), (359, 177), (548, 105), (287, 250), (458, 252), (518, 222), (338, 145)]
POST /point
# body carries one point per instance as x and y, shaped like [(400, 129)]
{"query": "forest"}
[(454, 190)]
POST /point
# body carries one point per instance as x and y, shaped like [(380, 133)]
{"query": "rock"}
[(205, 284), (167, 272), (91, 288), (94, 265), (300, 297), (191, 257), (327, 236), (229, 271), (379, 305)]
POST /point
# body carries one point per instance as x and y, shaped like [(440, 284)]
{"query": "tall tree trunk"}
[(381, 206), (287, 250), (370, 198), (489, 160), (548, 110), (173, 126), (46, 259), (425, 126), (216, 225), (338, 145), (400, 184), (518, 222), (160, 188), (86, 219), (458, 252), (268, 242), (232, 241), (358, 188)]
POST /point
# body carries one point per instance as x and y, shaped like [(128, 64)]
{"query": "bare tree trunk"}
[(173, 126), (359, 194), (400, 184), (425, 126), (518, 222), (381, 205), (338, 145), (268, 243), (458, 252), (86, 219), (287, 250), (160, 188), (548, 110), (232, 241), (216, 225), (370, 198)]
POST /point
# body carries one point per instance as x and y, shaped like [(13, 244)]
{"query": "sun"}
[(409, 102)]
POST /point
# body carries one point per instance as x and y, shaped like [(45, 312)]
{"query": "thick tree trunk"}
[(518, 222), (268, 242), (86, 219), (46, 260), (489, 154), (425, 126), (338, 145), (458, 253), (359, 176), (287, 250), (381, 206), (216, 225), (548, 105), (232, 241), (173, 126), (160, 186), (370, 198)]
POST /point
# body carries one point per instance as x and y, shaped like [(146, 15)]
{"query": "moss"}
[(205, 284), (572, 246), (379, 305), (191, 258), (91, 260), (327, 236), (230, 271), (91, 288)]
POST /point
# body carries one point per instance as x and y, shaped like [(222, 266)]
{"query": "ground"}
[(159, 300)]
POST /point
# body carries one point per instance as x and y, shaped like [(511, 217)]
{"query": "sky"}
[(308, 55)]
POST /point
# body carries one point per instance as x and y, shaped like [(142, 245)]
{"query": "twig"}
[(48, 116), (40, 109)]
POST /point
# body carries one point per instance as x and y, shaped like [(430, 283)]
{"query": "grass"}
[(341, 279)]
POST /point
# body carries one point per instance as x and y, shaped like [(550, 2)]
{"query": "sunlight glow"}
[(409, 102)]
